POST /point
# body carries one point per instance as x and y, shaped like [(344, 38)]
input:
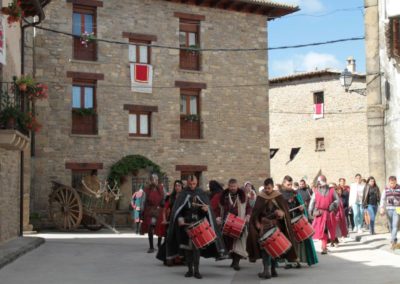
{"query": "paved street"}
[(102, 258)]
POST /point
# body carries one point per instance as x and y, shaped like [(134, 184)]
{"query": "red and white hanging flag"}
[(318, 111), (141, 77), (3, 26)]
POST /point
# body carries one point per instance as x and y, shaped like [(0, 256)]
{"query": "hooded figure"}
[(185, 212)]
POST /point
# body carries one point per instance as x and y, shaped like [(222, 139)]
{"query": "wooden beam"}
[(190, 85), (140, 108)]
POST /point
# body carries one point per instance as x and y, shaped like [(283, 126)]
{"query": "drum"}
[(233, 226), (201, 234), (275, 242), (302, 228)]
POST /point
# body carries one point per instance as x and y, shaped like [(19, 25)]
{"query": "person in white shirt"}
[(355, 202)]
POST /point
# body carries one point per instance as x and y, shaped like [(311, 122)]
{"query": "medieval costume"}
[(186, 212), (264, 218), (163, 223), (137, 207), (154, 197), (324, 201), (237, 204), (215, 196), (305, 249), (340, 218)]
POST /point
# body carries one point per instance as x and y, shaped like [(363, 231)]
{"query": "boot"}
[(273, 270), (265, 274), (189, 262), (235, 262)]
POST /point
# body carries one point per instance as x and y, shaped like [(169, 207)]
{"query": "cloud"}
[(304, 63), (308, 6)]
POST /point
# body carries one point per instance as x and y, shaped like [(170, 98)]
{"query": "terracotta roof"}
[(310, 75), (268, 8)]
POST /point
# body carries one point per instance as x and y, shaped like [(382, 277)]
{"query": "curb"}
[(13, 249)]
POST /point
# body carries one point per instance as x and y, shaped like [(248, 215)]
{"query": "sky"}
[(317, 21)]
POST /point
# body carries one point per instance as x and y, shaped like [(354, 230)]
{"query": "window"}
[(84, 20), (77, 177), (84, 116), (190, 114), (318, 97), (140, 124), (189, 37), (318, 105), (186, 174), (319, 144), (140, 53), (393, 37)]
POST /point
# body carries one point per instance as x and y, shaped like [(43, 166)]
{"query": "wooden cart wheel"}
[(65, 208), (91, 223)]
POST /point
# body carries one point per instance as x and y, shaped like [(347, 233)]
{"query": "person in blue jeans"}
[(390, 203), (371, 199), (355, 202)]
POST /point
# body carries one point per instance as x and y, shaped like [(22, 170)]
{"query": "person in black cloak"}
[(184, 213)]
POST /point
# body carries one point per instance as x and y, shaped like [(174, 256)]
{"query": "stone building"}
[(316, 127), (188, 111), (382, 41), (14, 145)]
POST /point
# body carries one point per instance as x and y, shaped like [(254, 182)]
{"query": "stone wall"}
[(235, 119), (343, 128), (9, 194)]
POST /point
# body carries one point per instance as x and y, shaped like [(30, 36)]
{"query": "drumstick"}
[(198, 204), (295, 208)]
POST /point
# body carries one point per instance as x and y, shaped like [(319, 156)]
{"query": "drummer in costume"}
[(153, 199), (191, 206), (305, 249), (324, 201), (270, 210), (234, 201)]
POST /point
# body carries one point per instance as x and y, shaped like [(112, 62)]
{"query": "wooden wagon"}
[(70, 207)]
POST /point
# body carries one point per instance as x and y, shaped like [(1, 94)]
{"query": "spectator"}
[(371, 198), (390, 203), (348, 211), (355, 202)]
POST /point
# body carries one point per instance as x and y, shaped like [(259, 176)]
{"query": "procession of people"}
[(277, 224)]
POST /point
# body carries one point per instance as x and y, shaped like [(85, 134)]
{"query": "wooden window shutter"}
[(396, 37)]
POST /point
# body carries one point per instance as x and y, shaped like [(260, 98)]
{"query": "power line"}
[(209, 49)]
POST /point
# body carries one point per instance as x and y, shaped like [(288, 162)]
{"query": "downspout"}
[(21, 177)]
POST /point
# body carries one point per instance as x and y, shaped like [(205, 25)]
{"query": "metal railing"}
[(14, 107)]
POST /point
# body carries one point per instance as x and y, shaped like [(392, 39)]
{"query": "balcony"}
[(14, 108), (14, 117)]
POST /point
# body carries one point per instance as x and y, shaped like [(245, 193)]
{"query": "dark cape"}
[(253, 247), (175, 232)]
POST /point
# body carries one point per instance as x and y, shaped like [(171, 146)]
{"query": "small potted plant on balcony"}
[(14, 12), (10, 117), (86, 38), (192, 117), (25, 83), (84, 111)]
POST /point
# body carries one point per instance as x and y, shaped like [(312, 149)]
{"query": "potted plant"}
[(32, 123), (14, 12), (86, 38), (10, 117), (25, 83), (192, 117), (84, 111), (38, 92)]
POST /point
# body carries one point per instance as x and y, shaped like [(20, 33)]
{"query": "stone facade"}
[(9, 194), (235, 130), (343, 127), (10, 158)]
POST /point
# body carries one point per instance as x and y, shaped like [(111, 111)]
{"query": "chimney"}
[(351, 64)]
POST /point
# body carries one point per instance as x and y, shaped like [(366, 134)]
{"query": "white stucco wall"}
[(390, 91)]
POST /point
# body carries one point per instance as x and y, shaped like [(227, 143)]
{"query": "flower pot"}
[(11, 123), (23, 87)]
